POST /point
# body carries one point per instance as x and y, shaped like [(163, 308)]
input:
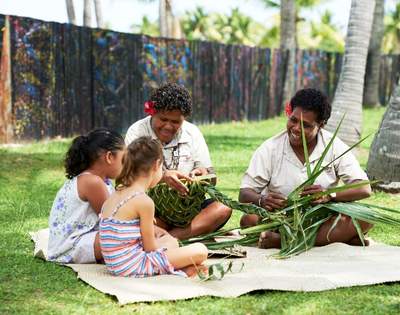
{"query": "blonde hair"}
[(138, 159)]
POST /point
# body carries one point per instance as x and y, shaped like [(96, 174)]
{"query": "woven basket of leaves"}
[(175, 209)]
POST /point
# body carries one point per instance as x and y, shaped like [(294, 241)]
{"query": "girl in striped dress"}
[(127, 231)]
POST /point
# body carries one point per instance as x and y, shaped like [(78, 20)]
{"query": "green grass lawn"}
[(31, 175)]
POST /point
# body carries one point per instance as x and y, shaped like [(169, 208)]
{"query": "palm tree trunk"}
[(6, 114), (70, 11), (384, 157), (162, 18), (176, 28), (168, 23), (349, 91), (371, 87), (288, 45), (87, 13), (99, 14)]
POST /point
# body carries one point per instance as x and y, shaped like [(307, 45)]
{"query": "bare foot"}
[(355, 241), (192, 271), (269, 240)]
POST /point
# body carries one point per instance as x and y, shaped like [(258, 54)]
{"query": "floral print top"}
[(70, 218)]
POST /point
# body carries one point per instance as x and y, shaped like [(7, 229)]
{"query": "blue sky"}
[(120, 15)]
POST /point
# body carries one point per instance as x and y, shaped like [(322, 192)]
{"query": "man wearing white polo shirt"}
[(185, 153)]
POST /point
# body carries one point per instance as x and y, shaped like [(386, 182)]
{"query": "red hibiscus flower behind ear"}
[(288, 109), (149, 108)]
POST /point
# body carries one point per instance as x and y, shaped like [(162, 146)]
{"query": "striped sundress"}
[(123, 252)]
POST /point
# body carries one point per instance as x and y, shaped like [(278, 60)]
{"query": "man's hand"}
[(314, 189), (273, 201), (172, 179), (200, 171)]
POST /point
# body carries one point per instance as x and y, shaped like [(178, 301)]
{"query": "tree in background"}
[(147, 27), (288, 45), (324, 35), (196, 24), (371, 85), (70, 11), (87, 13), (271, 36), (99, 14), (384, 157), (169, 25), (238, 28), (391, 40), (299, 6), (234, 28), (349, 91)]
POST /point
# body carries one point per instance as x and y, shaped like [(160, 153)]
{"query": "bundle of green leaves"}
[(298, 223)]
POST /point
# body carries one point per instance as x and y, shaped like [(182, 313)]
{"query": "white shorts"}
[(83, 252)]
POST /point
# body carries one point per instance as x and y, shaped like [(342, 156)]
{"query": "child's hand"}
[(172, 179)]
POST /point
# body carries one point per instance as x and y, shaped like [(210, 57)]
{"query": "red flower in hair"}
[(288, 109), (149, 108)]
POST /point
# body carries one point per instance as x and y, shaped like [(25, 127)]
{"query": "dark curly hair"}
[(313, 100), (139, 157), (171, 96), (84, 150)]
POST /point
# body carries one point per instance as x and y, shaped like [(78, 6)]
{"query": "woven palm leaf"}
[(177, 210)]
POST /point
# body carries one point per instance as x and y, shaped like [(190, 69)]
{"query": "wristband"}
[(332, 196)]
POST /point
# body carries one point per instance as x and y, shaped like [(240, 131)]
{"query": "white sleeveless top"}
[(70, 218)]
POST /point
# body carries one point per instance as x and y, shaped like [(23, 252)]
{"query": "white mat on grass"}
[(322, 268)]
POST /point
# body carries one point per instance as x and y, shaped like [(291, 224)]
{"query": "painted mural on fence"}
[(68, 79), (226, 82), (33, 76), (116, 78)]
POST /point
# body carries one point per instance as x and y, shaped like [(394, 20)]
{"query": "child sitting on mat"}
[(90, 162), (127, 221)]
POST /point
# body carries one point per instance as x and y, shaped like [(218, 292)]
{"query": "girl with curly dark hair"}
[(91, 161)]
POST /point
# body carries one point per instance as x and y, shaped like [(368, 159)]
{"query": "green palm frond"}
[(305, 148), (299, 222)]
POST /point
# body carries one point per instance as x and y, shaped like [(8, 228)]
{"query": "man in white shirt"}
[(185, 153), (278, 167)]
